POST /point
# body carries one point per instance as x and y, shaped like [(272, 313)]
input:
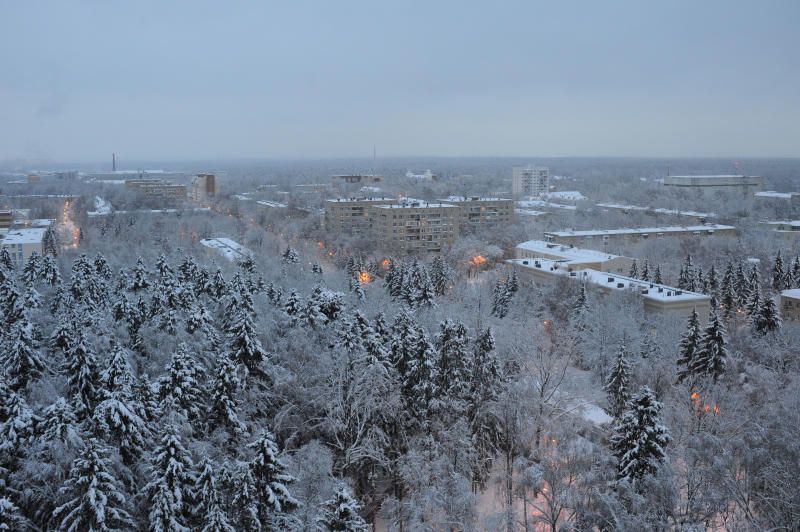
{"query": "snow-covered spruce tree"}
[(633, 273), (171, 479), (32, 269), (340, 514), (140, 278), (657, 275), (180, 383), (50, 242), (206, 510), (224, 389), (49, 272), (767, 320), (270, 491), (500, 300), (244, 346), (639, 437), (80, 367), (293, 305), (755, 299), (687, 349), (712, 281), (94, 499), (727, 293), (645, 273), (580, 305), (16, 424), (777, 272), (165, 514), (59, 424), (486, 384), (102, 268), (442, 275), (453, 361), (6, 263), (20, 357), (616, 386), (290, 256), (741, 286), (11, 517), (711, 356)]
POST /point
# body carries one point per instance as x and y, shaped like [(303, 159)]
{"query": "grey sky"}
[(197, 79)]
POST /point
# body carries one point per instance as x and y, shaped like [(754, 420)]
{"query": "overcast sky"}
[(186, 80)]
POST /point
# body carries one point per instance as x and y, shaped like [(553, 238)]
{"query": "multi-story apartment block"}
[(643, 233), (476, 210), (157, 188), (6, 217), (531, 180), (20, 243), (790, 305), (351, 215), (746, 185), (204, 186), (413, 226)]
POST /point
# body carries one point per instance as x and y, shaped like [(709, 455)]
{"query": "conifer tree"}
[(618, 382), (59, 424), (754, 303), (165, 514), (223, 397), (290, 256), (340, 514), (453, 361), (180, 383), (32, 269), (633, 273), (50, 272), (657, 275), (741, 287), (688, 347), (50, 242), (20, 356), (727, 294), (711, 356), (777, 272), (639, 437), (82, 374), (244, 346), (171, 478), (712, 281), (16, 423), (273, 502), (441, 275), (580, 306), (140, 280), (5, 260), (501, 299), (11, 517), (293, 305), (767, 319), (645, 275), (94, 499)]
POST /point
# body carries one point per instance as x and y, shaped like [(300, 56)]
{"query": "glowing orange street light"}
[(364, 277), (478, 260)]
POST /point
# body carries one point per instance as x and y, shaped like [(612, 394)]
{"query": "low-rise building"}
[(477, 210), (413, 226), (790, 305), (771, 195), (787, 229), (157, 188), (655, 297), (594, 236), (351, 215), (746, 185), (573, 258), (226, 248), (20, 243), (700, 216), (357, 178)]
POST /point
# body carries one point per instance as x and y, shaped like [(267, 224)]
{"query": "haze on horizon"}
[(199, 80)]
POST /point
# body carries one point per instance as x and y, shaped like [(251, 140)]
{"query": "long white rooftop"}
[(568, 253), (33, 235), (708, 228), (676, 212), (229, 249)]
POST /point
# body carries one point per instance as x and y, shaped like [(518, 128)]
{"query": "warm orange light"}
[(706, 409), (364, 277), (478, 260), (716, 410), (320, 245), (385, 263), (694, 396)]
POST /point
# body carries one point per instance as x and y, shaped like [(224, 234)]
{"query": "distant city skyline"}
[(307, 80)]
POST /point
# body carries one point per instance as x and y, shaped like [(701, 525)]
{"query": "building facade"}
[(204, 187), (790, 305), (415, 226), (476, 210), (351, 215), (21, 243), (746, 185), (605, 236), (530, 180)]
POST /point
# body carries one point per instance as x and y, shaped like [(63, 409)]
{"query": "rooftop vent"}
[(669, 293), (620, 285), (525, 262), (610, 279), (645, 291), (660, 289), (678, 292), (573, 274)]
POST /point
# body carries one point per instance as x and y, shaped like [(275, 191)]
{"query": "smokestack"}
[(113, 162)]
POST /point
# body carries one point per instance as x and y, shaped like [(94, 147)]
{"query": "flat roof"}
[(528, 212), (794, 293), (643, 230), (793, 223), (457, 199), (654, 291), (774, 194), (540, 203), (720, 176), (33, 235), (564, 251), (230, 249), (415, 205), (357, 200), (621, 206)]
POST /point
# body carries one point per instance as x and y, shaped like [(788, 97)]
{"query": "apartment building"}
[(790, 305), (204, 187), (157, 188), (618, 235), (357, 178), (656, 298), (6, 217), (746, 185), (351, 215), (477, 210), (20, 243), (413, 226), (573, 258), (530, 180)]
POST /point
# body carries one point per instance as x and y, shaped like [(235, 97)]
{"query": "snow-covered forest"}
[(147, 385)]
